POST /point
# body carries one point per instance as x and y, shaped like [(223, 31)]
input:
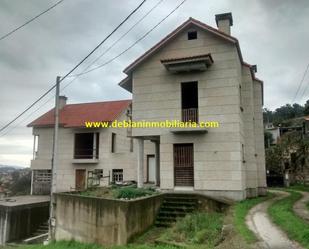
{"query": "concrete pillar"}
[(157, 158), (140, 163)]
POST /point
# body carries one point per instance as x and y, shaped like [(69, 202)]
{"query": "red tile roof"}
[(75, 115)]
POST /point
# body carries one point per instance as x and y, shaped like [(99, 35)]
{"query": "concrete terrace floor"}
[(23, 200)]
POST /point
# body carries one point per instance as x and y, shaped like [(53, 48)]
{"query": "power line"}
[(136, 42), (31, 20), (300, 84), (124, 51), (69, 83), (120, 38), (74, 68), (305, 90)]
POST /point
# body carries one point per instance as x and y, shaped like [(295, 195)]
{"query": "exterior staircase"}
[(175, 206), (40, 234)]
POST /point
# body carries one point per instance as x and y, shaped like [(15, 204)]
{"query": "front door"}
[(80, 179), (183, 165), (151, 162)]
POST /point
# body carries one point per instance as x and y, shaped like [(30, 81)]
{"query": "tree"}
[(306, 108), (268, 139), (21, 185)]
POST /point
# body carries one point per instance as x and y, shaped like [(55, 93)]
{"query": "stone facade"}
[(123, 158), (229, 160)]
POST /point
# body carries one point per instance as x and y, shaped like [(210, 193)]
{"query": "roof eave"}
[(172, 35)]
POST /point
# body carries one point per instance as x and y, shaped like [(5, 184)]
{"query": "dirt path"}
[(270, 235), (300, 207)]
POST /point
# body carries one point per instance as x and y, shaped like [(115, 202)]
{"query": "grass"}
[(78, 245), (300, 187), (196, 229), (241, 210), (282, 214), (117, 192)]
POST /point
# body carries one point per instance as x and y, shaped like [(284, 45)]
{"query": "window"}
[(86, 146), (42, 175), (240, 96), (243, 153), (192, 35), (35, 146), (113, 143), (117, 175), (189, 101), (131, 144)]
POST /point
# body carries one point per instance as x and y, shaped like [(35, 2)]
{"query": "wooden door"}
[(183, 165), (80, 179)]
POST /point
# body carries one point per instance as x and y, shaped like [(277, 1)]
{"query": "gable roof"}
[(170, 36), (75, 115)]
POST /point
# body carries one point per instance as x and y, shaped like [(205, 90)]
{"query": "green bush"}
[(132, 192)]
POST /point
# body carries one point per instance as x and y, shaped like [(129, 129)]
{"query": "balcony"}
[(189, 115), (187, 64), (86, 156)]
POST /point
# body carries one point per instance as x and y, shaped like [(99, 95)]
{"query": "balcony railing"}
[(190, 115), (86, 154)]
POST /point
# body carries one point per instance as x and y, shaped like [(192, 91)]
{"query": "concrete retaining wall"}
[(103, 221)]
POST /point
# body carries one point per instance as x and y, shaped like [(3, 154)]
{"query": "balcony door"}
[(183, 165), (189, 101)]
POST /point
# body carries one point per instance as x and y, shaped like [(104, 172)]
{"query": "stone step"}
[(175, 206), (181, 198), (179, 203)]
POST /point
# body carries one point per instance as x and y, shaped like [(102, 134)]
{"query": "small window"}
[(117, 175), (243, 153), (192, 35), (113, 145), (131, 144), (240, 99)]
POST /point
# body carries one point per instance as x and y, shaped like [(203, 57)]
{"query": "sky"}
[(273, 34)]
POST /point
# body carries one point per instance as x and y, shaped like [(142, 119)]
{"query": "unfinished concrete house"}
[(197, 73), (86, 156)]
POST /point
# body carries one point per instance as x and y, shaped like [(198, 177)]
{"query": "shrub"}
[(197, 228), (132, 192)]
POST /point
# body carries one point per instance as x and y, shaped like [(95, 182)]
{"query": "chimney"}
[(254, 68), (224, 22), (62, 101)]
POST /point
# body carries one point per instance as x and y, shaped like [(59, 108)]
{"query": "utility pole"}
[(54, 162)]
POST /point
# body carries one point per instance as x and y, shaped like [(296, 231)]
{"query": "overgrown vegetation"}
[(280, 158), (196, 228), (300, 187), (77, 245), (119, 192), (282, 214), (241, 210), (132, 192)]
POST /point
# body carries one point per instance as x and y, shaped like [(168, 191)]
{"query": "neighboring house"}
[(85, 156), (198, 73), (300, 124)]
